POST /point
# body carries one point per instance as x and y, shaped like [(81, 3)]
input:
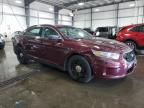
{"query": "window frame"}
[(29, 29), (43, 30)]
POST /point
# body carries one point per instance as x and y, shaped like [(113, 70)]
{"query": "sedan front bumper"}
[(107, 71)]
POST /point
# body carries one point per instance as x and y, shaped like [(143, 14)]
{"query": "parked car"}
[(76, 51), (16, 33), (89, 31), (2, 42), (107, 32), (132, 35)]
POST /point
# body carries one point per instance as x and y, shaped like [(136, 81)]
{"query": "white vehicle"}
[(2, 42)]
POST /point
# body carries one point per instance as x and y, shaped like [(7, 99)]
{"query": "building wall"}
[(41, 13), (64, 17), (107, 16), (12, 17)]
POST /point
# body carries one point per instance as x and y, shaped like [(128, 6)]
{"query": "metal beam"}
[(143, 15), (106, 4), (73, 19), (60, 6), (91, 18), (56, 14), (75, 2), (27, 2), (27, 11), (117, 15)]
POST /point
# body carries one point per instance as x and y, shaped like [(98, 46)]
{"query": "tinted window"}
[(48, 32), (138, 29), (88, 30), (34, 32), (103, 29), (135, 29), (141, 29)]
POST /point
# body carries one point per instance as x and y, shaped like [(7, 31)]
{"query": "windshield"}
[(75, 33)]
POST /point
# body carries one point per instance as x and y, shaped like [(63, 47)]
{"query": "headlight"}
[(97, 33), (1, 38), (108, 55)]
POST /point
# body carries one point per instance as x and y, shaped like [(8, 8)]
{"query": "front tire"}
[(79, 69), (21, 56)]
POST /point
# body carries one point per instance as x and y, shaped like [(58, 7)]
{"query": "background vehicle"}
[(132, 35), (107, 32), (89, 31), (16, 33), (76, 51), (2, 42)]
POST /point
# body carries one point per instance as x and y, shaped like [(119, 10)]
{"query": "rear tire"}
[(21, 56), (79, 69)]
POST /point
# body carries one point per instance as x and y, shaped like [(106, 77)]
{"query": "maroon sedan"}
[(76, 51)]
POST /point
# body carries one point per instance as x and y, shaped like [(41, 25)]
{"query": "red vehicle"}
[(132, 35), (76, 51)]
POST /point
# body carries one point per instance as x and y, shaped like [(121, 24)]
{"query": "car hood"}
[(103, 44)]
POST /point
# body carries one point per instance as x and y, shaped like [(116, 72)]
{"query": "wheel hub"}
[(78, 68), (131, 45), (21, 54)]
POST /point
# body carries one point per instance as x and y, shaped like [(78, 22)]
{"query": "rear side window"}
[(138, 29), (135, 29), (103, 29), (141, 29), (48, 32), (34, 32)]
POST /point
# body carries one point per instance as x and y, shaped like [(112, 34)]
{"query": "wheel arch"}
[(132, 41), (17, 47)]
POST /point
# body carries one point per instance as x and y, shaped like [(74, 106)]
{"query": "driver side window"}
[(49, 32)]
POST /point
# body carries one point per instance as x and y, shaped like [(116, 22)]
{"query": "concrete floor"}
[(51, 88)]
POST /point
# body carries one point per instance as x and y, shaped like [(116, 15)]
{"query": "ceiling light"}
[(71, 14), (18, 1), (81, 3), (51, 9), (131, 5), (97, 10)]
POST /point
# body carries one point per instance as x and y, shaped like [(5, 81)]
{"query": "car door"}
[(32, 41), (53, 49)]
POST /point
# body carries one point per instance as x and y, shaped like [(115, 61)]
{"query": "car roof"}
[(132, 25), (48, 25)]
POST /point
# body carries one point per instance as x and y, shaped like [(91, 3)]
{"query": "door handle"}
[(58, 44), (37, 37)]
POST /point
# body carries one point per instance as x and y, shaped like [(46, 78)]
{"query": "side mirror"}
[(54, 37)]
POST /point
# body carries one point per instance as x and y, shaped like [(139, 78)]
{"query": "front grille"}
[(129, 57)]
